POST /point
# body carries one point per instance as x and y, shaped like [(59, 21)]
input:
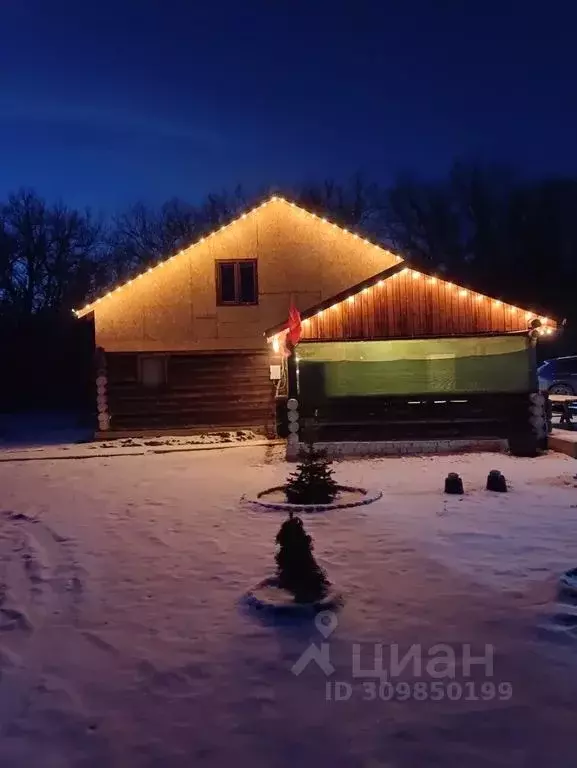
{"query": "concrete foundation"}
[(402, 447)]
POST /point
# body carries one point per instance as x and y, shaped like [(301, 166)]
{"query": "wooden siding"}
[(405, 306), (212, 390)]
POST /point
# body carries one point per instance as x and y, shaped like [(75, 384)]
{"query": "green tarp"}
[(415, 366)]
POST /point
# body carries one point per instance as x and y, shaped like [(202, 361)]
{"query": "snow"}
[(27, 448), (124, 640)]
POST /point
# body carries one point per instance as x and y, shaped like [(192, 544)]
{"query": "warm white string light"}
[(414, 273), (274, 198), (463, 293)]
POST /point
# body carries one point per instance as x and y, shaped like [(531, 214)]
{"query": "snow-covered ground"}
[(123, 640), (128, 446)]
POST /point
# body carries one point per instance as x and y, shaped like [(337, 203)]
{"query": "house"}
[(407, 356), (181, 346)]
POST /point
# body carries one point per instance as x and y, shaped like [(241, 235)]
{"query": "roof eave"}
[(338, 297)]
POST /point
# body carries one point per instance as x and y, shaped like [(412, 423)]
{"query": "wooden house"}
[(183, 345)]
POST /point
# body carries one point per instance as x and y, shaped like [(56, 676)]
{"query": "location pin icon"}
[(326, 622)]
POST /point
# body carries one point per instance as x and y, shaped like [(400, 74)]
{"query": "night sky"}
[(106, 103)]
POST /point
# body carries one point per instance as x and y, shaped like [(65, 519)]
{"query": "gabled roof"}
[(386, 313), (273, 199)]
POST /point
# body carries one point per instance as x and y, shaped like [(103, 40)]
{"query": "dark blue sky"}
[(105, 103)]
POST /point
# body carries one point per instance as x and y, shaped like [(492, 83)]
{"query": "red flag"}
[(294, 325)]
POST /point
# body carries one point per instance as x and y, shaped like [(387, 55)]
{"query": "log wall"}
[(418, 417), (201, 390)]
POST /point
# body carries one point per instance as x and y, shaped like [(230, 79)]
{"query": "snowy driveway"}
[(122, 642)]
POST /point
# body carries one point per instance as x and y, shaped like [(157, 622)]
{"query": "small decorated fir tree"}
[(298, 571), (313, 482)]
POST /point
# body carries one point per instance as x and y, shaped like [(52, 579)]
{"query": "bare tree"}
[(144, 235), (510, 236), (357, 203), (50, 256)]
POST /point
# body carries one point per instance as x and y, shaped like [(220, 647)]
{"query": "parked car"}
[(559, 376)]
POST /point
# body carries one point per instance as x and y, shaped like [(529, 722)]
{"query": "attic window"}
[(236, 282)]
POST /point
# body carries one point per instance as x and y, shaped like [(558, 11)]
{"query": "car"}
[(559, 376)]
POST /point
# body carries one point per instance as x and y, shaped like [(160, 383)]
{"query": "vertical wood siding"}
[(403, 306)]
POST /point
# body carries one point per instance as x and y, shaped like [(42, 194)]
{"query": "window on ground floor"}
[(236, 282), (152, 372)]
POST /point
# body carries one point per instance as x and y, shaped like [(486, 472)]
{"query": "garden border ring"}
[(368, 498), (332, 601)]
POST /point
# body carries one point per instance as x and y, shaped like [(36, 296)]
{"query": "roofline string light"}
[(274, 198), (545, 330)]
